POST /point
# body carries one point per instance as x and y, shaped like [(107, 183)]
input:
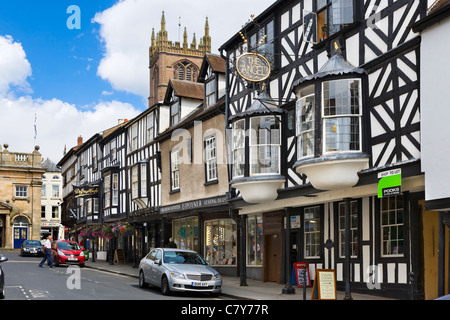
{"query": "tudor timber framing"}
[(390, 54)]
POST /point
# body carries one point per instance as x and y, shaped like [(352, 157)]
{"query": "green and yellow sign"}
[(390, 183)]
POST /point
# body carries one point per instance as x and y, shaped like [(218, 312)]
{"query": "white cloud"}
[(126, 27), (14, 66), (58, 123)]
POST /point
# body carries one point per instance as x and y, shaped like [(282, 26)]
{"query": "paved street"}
[(24, 280)]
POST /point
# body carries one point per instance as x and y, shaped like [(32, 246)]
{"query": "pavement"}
[(255, 289)]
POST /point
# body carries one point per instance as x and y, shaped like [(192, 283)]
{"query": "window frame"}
[(305, 234), (358, 204), (211, 91), (403, 226), (177, 115), (239, 145), (211, 161), (175, 170), (266, 145), (359, 116), (21, 192), (313, 121)]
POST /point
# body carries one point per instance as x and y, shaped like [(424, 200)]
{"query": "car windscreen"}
[(68, 246), (182, 257), (32, 243)]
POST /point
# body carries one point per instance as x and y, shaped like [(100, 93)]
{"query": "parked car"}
[(178, 270), (2, 278), (32, 248), (67, 252)]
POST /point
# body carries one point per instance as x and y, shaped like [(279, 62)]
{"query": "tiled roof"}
[(188, 89)]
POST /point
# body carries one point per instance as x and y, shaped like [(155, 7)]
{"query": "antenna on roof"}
[(179, 30)]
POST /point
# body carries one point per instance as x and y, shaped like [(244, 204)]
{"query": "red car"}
[(67, 252)]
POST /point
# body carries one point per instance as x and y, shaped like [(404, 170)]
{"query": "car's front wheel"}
[(165, 288), (142, 283)]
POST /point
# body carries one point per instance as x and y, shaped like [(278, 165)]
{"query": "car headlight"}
[(177, 275), (217, 276), (61, 253)]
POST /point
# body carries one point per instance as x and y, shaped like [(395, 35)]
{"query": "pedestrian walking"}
[(171, 244), (47, 252)]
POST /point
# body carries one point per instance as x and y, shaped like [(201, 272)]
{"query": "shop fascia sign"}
[(85, 192), (195, 204), (390, 183)]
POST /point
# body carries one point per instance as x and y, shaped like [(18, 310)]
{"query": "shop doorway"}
[(273, 248)]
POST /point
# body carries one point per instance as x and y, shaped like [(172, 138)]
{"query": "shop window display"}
[(220, 242)]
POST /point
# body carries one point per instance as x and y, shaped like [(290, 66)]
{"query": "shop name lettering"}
[(253, 68), (194, 204), (82, 192)]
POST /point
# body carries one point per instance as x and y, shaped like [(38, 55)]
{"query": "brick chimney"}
[(80, 140)]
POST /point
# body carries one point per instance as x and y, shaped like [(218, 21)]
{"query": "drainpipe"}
[(348, 294)]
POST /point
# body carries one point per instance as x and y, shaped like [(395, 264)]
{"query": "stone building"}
[(174, 60), (20, 196)]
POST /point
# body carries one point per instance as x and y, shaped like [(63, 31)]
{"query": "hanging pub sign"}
[(253, 67), (85, 192), (390, 183)]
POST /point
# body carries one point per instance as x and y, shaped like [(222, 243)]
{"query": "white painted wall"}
[(435, 110)]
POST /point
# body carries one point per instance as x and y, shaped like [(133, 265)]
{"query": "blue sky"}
[(80, 82), (64, 61)]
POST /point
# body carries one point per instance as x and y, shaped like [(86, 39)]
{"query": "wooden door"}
[(273, 248)]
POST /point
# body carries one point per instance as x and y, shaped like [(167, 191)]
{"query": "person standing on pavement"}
[(47, 252)]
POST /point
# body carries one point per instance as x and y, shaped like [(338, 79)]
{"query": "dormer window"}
[(175, 113), (210, 92)]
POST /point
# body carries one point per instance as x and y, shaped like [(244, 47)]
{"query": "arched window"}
[(185, 70)]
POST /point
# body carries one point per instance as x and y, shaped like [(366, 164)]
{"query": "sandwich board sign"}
[(324, 287), (390, 183), (300, 269)]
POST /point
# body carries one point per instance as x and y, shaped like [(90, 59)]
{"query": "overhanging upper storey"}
[(329, 129)]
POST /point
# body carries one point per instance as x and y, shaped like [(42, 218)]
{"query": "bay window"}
[(265, 142), (305, 122), (329, 18), (238, 148), (107, 190), (342, 115), (115, 189)]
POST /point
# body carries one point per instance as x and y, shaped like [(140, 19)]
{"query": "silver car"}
[(178, 270)]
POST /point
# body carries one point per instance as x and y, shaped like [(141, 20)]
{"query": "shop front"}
[(205, 226)]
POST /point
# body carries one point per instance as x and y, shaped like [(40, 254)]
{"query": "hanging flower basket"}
[(124, 229), (107, 232)]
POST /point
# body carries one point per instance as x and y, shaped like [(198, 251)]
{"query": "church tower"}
[(174, 60)]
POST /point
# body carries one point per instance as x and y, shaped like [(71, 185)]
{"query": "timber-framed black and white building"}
[(310, 144)]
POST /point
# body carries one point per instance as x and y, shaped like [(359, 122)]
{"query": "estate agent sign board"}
[(390, 183)]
